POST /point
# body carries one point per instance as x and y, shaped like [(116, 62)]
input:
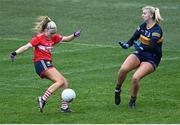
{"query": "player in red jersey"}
[(43, 44)]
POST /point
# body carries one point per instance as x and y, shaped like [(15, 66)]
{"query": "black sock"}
[(133, 98), (118, 88)]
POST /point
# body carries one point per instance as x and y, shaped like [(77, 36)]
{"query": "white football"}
[(68, 95)]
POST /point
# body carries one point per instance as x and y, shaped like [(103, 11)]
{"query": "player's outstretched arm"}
[(72, 36), (22, 49)]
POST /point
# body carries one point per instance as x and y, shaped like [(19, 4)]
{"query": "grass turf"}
[(89, 63)]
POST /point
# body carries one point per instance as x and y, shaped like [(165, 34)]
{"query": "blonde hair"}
[(41, 23), (155, 12)]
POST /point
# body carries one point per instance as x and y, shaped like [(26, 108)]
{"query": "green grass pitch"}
[(90, 63)]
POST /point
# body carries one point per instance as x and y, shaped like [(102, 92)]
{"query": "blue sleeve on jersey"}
[(135, 37)]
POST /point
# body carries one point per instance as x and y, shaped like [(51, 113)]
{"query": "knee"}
[(65, 85), (122, 71), (135, 80), (60, 81)]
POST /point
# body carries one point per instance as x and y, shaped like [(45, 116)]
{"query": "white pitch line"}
[(96, 45), (170, 58), (84, 44)]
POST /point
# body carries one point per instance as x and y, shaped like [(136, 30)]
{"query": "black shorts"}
[(148, 57), (41, 66)]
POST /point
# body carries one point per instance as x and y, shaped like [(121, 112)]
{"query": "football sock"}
[(46, 95), (64, 104), (118, 88), (133, 98)]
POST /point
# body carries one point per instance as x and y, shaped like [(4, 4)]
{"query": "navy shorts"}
[(41, 66), (148, 57)]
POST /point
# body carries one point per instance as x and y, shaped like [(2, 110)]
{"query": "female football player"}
[(147, 55), (43, 44)]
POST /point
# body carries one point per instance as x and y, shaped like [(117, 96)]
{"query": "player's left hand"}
[(77, 33)]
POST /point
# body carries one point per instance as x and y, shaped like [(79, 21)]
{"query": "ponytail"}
[(158, 17), (41, 24)]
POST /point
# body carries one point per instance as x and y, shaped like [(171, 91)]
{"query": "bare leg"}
[(129, 64), (144, 69), (55, 76), (58, 81)]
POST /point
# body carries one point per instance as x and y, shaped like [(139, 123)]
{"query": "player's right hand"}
[(12, 56), (123, 45)]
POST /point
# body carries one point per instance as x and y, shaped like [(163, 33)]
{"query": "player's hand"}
[(123, 45), (138, 47), (12, 56), (77, 33)]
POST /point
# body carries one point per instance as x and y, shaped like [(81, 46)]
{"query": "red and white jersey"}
[(43, 46)]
